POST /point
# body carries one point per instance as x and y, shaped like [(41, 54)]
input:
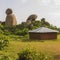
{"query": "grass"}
[(17, 45)]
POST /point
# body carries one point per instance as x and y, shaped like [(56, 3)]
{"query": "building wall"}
[(43, 36)]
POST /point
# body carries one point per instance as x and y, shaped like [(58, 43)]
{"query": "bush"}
[(43, 56), (1, 32), (3, 43), (22, 32), (33, 55), (4, 58), (27, 55)]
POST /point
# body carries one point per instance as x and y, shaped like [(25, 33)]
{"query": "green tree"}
[(44, 23)]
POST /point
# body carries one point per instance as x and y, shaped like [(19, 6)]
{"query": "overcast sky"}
[(49, 9)]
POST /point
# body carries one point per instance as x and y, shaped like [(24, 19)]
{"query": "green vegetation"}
[(22, 29), (28, 55), (3, 43), (18, 45), (15, 39), (31, 54)]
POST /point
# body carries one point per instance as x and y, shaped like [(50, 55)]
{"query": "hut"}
[(43, 33)]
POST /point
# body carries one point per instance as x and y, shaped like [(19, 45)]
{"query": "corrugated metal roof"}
[(43, 30)]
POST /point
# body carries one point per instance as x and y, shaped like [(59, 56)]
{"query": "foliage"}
[(1, 26), (3, 43), (22, 29), (30, 54), (22, 32), (21, 26), (44, 23), (43, 56), (16, 45), (27, 55), (1, 32), (4, 58), (36, 24)]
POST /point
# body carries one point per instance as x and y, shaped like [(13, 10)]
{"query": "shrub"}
[(25, 31), (22, 32), (3, 43), (42, 56), (4, 58), (28, 55), (33, 55), (1, 32)]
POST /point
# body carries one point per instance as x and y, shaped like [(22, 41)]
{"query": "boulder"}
[(10, 18)]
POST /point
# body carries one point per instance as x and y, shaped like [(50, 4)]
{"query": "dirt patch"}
[(56, 57)]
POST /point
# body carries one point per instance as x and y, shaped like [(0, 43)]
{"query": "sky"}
[(49, 9)]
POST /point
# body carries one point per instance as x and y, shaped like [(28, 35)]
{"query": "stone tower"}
[(10, 18)]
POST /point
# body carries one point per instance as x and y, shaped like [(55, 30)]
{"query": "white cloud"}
[(57, 2), (44, 2), (24, 1), (49, 2)]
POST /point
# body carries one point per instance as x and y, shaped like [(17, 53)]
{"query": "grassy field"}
[(15, 46)]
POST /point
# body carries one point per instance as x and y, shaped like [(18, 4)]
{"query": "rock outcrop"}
[(10, 18), (31, 18)]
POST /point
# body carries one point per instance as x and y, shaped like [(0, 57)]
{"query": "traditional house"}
[(43, 33)]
